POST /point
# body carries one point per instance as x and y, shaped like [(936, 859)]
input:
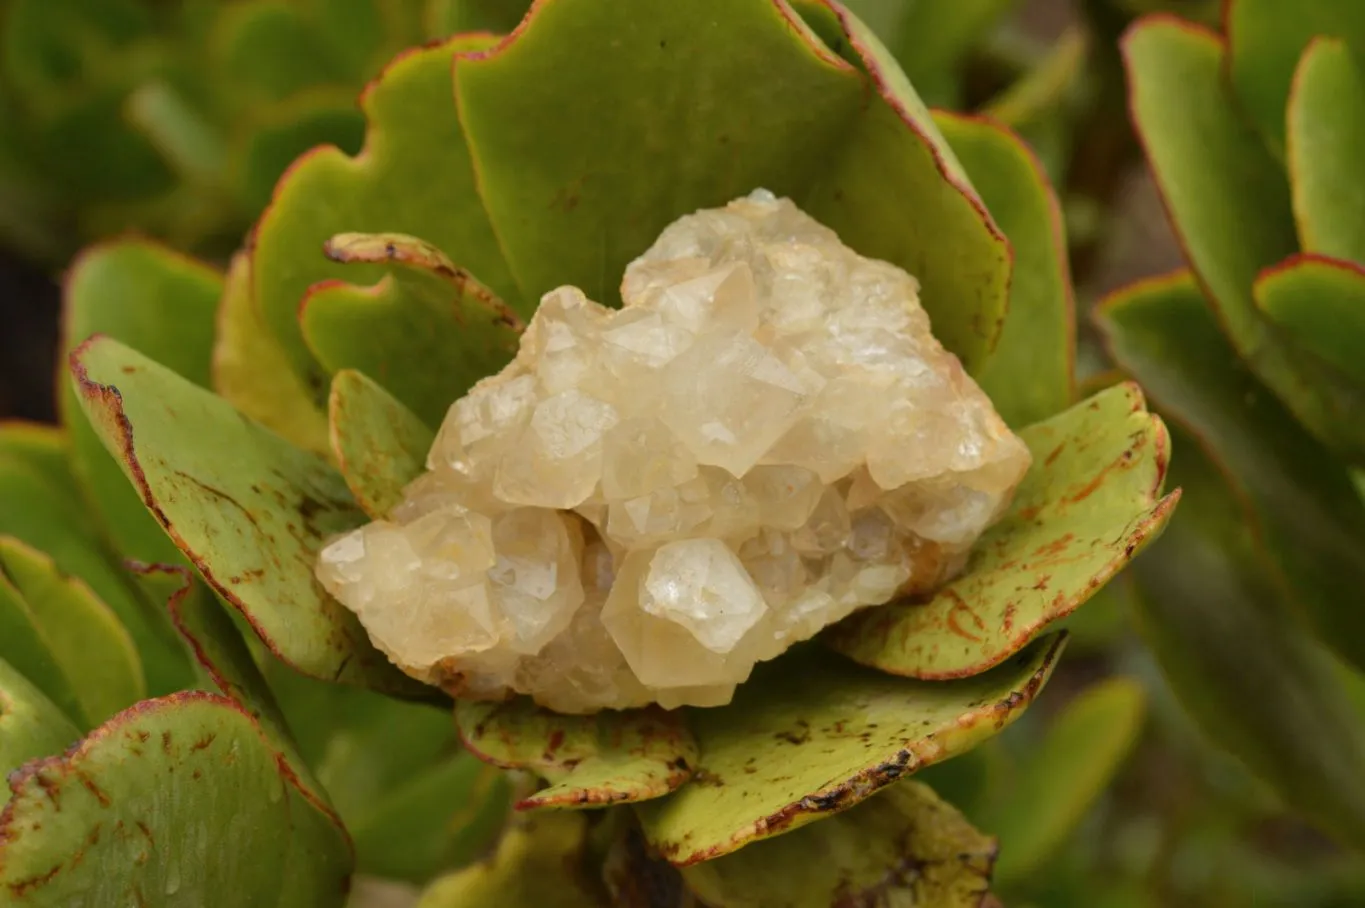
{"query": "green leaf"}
[(590, 761), (1089, 503), (496, 16), (253, 373), (249, 509), (811, 734), (24, 648), (1326, 150), (42, 449), (414, 176), (1063, 775), (1265, 41), (933, 37), (129, 815), (538, 865), (1320, 303), (378, 444), (1301, 497), (1230, 206), (426, 332), (1029, 377), (290, 130), (856, 858), (1256, 680), (31, 725), (573, 203), (161, 304), (91, 648)]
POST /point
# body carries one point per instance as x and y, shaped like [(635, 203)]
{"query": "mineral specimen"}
[(650, 500)]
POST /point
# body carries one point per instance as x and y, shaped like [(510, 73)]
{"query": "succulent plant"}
[(250, 745), (1252, 601)]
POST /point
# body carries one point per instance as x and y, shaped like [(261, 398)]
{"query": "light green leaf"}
[(855, 858), (252, 372), (248, 508), (426, 332), (1320, 303), (1302, 499), (1029, 377), (1063, 775), (414, 177), (31, 725), (811, 734), (1326, 149), (43, 449), (91, 648), (538, 865), (129, 816), (378, 444), (25, 649), (162, 304), (1229, 202), (1089, 503), (590, 761)]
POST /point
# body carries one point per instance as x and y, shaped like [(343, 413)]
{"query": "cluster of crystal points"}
[(650, 500)]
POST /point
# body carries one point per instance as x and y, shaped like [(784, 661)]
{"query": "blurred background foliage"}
[(175, 119)]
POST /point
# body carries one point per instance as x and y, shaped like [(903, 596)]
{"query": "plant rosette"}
[(262, 415)]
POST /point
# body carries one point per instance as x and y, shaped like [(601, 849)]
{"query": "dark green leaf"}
[(1320, 303), (31, 725)]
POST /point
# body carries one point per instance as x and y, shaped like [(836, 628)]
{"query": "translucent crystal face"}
[(648, 501)]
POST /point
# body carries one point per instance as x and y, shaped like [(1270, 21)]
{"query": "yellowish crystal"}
[(648, 501)]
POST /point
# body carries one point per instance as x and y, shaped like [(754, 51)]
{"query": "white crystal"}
[(648, 501)]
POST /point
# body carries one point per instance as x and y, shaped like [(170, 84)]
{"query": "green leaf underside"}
[(1302, 499), (811, 734), (1064, 775), (162, 304), (1265, 41), (426, 332), (414, 176), (1320, 303), (1326, 150), (1029, 376), (249, 509), (53, 519), (91, 650), (252, 371), (127, 817), (377, 443), (31, 725), (1087, 506), (573, 202), (538, 864), (1229, 203), (903, 846), (590, 761), (1257, 681)]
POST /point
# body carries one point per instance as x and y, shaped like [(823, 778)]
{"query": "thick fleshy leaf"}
[(1320, 302), (1063, 775), (853, 858), (590, 761), (91, 649), (931, 39), (378, 444), (450, 17), (1089, 503), (414, 176), (249, 509), (426, 332), (42, 449), (1305, 506), (1029, 376), (1266, 39), (811, 734), (31, 725), (1326, 149), (129, 815), (538, 864), (24, 647), (1229, 203), (1258, 682), (573, 204), (161, 303), (252, 371)]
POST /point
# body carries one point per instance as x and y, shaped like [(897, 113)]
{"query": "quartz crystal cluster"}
[(650, 500)]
